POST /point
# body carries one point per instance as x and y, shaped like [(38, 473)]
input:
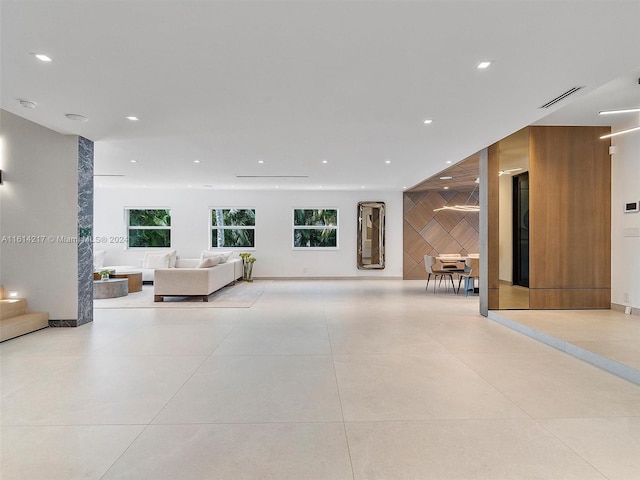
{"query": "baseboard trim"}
[(331, 278), (621, 308), (67, 323)]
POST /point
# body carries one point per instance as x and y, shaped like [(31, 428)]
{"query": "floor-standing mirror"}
[(370, 236)]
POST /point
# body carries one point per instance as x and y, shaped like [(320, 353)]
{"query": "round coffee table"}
[(134, 278), (112, 288)]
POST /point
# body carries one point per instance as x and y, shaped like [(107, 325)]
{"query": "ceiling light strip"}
[(625, 110), (621, 132)]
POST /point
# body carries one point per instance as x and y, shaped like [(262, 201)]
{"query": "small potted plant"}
[(104, 275), (247, 266)]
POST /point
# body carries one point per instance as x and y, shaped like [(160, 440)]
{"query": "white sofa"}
[(186, 279)]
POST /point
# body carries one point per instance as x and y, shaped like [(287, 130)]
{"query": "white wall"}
[(39, 198), (625, 186), (274, 253)]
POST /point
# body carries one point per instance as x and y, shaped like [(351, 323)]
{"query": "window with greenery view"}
[(233, 228), (315, 228), (149, 227)]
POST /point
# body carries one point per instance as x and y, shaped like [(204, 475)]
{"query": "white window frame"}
[(295, 227), (128, 227), (230, 227)]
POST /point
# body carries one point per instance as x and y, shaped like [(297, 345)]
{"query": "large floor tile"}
[(189, 340), (17, 371), (459, 335), (416, 387), (100, 390), (354, 337), (462, 450), (60, 341), (285, 337), (231, 452), (247, 389), (609, 444), (63, 453), (556, 385)]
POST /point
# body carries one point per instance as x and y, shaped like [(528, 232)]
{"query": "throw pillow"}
[(98, 258), (155, 260), (209, 262), (223, 256), (172, 258)]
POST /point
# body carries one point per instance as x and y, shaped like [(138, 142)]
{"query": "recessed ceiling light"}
[(483, 65), (387, 162), (132, 118), (260, 161), (448, 162), (427, 122), (27, 103), (446, 178), (76, 117), (42, 57), (625, 110), (324, 161), (196, 161), (133, 161)]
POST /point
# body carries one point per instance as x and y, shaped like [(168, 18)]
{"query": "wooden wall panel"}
[(570, 216), (542, 299), (426, 232)]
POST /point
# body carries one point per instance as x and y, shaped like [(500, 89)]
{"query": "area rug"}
[(240, 295)]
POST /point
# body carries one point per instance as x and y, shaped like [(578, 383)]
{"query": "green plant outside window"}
[(233, 227), (315, 228), (149, 228)]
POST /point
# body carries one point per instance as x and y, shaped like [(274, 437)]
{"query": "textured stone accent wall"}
[(85, 237), (426, 232), (85, 231)]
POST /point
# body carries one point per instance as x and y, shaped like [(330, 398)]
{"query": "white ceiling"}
[(294, 83)]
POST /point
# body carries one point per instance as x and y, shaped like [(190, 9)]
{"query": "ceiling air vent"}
[(559, 98)]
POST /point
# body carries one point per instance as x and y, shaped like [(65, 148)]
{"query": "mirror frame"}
[(380, 206)]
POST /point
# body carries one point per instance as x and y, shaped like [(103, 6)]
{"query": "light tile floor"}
[(319, 380)]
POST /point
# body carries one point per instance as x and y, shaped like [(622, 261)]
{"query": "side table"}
[(112, 288)]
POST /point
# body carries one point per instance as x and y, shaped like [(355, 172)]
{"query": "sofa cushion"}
[(155, 260), (98, 258), (222, 256), (209, 262)]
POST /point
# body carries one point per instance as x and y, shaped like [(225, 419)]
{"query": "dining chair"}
[(429, 262), (472, 271), (449, 260)]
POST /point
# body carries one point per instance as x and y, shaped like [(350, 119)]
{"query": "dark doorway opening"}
[(521, 229)]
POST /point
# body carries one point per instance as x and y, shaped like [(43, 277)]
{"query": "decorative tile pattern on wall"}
[(426, 232)]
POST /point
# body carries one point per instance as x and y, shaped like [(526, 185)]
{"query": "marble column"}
[(85, 231), (85, 237)]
